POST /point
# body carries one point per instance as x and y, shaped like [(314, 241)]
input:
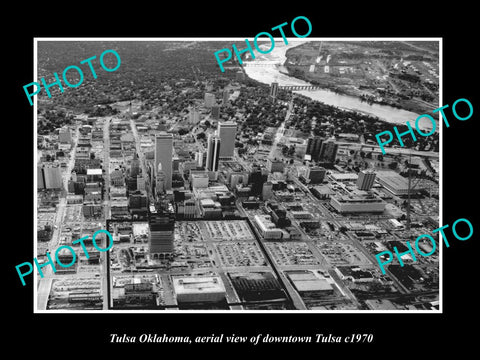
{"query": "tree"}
[(291, 150), (201, 136), (393, 165)]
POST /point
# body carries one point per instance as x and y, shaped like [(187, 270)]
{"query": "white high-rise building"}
[(199, 158), (193, 116), (365, 180)]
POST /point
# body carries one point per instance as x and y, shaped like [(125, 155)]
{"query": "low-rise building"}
[(190, 289), (267, 228)]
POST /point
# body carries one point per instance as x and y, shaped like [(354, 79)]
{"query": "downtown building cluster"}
[(191, 215)]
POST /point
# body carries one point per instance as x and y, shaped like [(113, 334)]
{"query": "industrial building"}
[(394, 182)]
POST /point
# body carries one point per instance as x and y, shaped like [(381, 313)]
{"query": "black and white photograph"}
[(244, 179), (259, 187)]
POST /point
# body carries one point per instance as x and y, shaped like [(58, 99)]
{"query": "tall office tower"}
[(256, 179), (365, 180), (175, 163), (53, 177), (213, 152), (135, 167), (216, 112), (137, 200), (199, 155), (193, 116), (162, 228), (40, 179), (274, 90), (267, 191), (328, 151), (163, 155), (313, 147), (64, 135), (140, 182), (209, 100), (227, 131), (160, 180), (315, 174), (226, 97)]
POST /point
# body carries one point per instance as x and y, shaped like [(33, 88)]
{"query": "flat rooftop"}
[(198, 285)]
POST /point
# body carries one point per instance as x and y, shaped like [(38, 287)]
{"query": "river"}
[(269, 74)]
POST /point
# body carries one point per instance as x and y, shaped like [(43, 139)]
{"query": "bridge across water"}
[(300, 87), (261, 63)]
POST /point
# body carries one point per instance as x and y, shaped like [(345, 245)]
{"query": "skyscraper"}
[(216, 112), (213, 152), (315, 174), (209, 100), (313, 147), (227, 131), (256, 179), (366, 179), (274, 90), (193, 116), (328, 151), (135, 167), (199, 157), (226, 97), (161, 233), (163, 155), (160, 180), (267, 192), (140, 182)]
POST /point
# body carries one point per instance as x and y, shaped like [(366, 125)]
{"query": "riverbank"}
[(342, 100), (369, 73)]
